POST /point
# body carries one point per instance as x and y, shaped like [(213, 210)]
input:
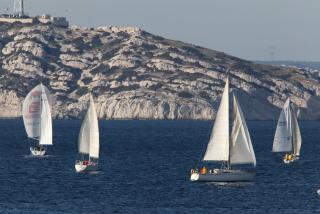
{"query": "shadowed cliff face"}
[(134, 74)]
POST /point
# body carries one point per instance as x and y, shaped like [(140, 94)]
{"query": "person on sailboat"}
[(85, 162), (203, 170), (288, 157), (39, 148)]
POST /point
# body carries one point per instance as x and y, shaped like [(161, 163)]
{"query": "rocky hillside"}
[(134, 74)]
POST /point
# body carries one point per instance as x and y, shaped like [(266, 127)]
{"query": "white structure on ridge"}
[(20, 16), (18, 8)]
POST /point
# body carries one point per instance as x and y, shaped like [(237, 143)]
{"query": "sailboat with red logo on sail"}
[(37, 119)]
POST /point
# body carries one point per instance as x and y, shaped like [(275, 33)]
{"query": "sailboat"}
[(228, 148), (88, 141), (288, 137), (37, 118)]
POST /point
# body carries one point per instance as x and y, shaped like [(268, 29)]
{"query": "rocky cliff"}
[(134, 74)]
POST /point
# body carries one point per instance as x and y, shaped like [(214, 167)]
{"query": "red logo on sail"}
[(35, 93), (34, 107)]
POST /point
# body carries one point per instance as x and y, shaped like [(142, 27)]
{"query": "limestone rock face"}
[(134, 74)]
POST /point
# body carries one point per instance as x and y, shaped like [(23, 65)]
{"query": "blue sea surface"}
[(144, 167)]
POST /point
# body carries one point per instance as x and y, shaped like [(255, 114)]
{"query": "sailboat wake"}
[(95, 172), (231, 184), (37, 157)]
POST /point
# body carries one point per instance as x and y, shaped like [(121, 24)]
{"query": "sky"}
[(249, 29)]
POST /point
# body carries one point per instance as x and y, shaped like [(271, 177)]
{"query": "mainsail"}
[(89, 133), (37, 115), (218, 146), (237, 149), (287, 137)]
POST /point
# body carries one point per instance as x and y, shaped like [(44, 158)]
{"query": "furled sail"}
[(89, 133), (241, 150), (46, 121), (218, 146), (283, 137)]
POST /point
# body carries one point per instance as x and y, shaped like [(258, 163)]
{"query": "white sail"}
[(31, 112), (218, 146), (45, 121), (283, 137), (241, 150), (296, 133), (89, 133)]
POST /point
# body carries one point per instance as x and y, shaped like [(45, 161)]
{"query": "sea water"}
[(144, 167)]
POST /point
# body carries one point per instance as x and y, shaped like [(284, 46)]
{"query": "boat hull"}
[(36, 152), (224, 176), (294, 159), (82, 167)]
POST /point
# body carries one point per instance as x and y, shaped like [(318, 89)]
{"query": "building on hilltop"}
[(59, 21), (19, 15)]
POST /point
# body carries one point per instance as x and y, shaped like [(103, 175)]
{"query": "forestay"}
[(241, 150), (218, 146), (89, 133)]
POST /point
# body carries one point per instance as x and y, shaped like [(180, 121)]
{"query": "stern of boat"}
[(36, 152)]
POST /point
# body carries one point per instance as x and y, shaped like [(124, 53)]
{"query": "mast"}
[(229, 163)]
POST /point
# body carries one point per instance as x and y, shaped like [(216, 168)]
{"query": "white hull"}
[(219, 175), (36, 152), (80, 166)]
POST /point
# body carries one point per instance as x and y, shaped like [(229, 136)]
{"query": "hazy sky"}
[(250, 29)]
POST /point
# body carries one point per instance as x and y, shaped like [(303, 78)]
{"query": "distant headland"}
[(134, 74)]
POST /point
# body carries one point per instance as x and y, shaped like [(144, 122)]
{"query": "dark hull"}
[(225, 176)]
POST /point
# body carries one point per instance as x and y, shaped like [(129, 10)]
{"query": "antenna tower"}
[(18, 7)]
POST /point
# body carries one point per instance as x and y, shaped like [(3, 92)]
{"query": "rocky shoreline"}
[(133, 74)]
